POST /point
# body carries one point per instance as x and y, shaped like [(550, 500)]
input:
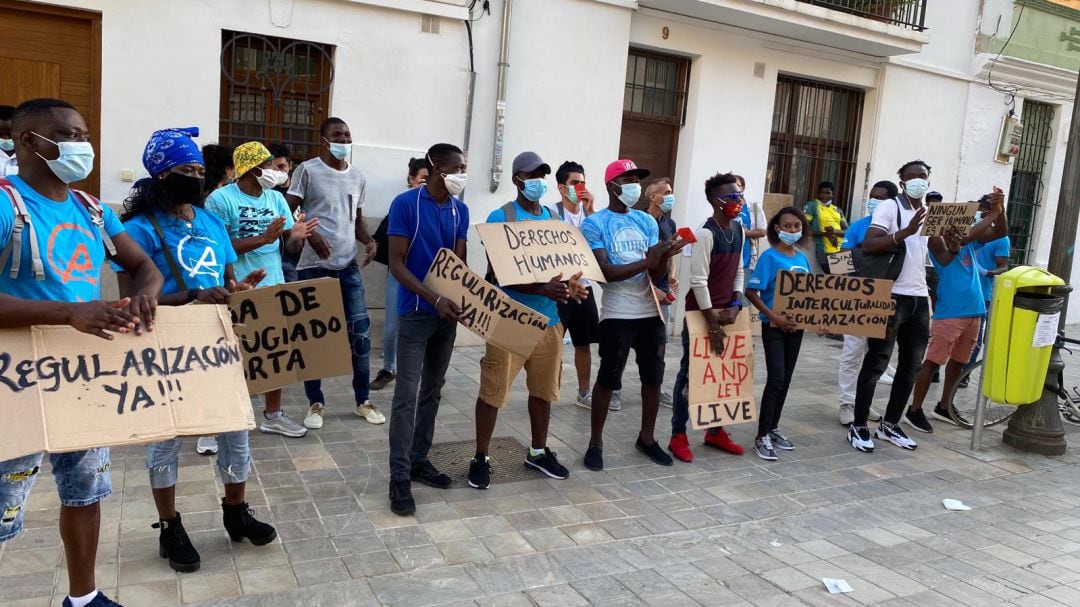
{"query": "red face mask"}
[(732, 209)]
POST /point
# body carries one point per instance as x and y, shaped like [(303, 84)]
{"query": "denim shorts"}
[(233, 460), (82, 478)]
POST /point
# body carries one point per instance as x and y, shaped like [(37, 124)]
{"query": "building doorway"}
[(654, 110), (1028, 178), (33, 64), (815, 138)]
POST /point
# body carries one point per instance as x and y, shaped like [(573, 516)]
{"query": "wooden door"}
[(52, 51)]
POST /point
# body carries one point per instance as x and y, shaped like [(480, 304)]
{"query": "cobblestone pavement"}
[(724, 530)]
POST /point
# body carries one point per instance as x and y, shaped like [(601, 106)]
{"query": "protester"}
[(659, 200), (9, 165), (332, 190), (851, 357), (190, 247), (897, 221), (716, 285), (219, 167), (543, 367), (959, 312), (627, 248), (256, 216), (993, 256), (581, 319), (422, 221), (780, 338), (418, 174), (827, 222), (53, 150), (752, 218)]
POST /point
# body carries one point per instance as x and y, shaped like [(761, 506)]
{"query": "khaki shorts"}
[(543, 370)]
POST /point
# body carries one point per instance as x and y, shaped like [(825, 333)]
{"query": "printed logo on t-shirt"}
[(195, 262), (68, 253), (627, 246), (254, 221)]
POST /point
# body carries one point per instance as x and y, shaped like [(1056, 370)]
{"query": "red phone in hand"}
[(687, 235), (579, 189)]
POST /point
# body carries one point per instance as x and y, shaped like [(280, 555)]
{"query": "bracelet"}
[(437, 300), (896, 242)]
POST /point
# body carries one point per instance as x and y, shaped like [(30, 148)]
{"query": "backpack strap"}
[(509, 212), (561, 209), (169, 259), (21, 224), (97, 215)]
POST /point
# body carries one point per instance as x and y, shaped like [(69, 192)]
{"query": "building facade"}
[(785, 92)]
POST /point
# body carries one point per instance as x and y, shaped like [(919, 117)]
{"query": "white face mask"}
[(75, 162), (269, 178), (455, 183)]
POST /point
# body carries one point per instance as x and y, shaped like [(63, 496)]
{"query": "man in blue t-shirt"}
[(543, 367), (628, 249), (53, 150), (422, 221)]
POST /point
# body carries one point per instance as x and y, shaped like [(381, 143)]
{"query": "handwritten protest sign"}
[(847, 305), (63, 390), (529, 252), (755, 321), (940, 216), (774, 202), (841, 263), (485, 309), (721, 389), (291, 332)]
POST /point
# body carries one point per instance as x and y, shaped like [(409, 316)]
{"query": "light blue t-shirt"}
[(201, 251), (246, 216), (769, 263), (71, 248), (856, 233), (544, 305), (746, 221), (625, 237), (959, 291), (986, 255)]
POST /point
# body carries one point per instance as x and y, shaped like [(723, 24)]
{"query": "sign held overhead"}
[(941, 216)]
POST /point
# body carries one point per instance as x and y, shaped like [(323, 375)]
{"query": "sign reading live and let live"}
[(291, 332), (721, 391), (528, 252), (846, 305), (63, 390), (485, 309), (841, 262), (941, 216)]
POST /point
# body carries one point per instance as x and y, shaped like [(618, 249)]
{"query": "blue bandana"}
[(170, 148)]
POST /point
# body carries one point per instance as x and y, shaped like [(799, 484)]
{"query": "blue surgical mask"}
[(916, 188), (339, 150), (871, 204), (790, 238), (629, 193), (668, 203), (534, 189), (75, 162), (7, 144)]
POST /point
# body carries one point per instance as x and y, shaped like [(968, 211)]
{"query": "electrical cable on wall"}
[(1009, 89)]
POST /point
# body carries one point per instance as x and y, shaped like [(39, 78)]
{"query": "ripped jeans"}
[(358, 326), (233, 460), (82, 479)]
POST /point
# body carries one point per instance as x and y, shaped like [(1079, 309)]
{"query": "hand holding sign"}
[(142, 307), (213, 295), (98, 317), (447, 310), (721, 383), (555, 289)]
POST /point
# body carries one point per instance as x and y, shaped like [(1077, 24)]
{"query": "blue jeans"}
[(82, 479), (425, 344), (233, 460), (358, 327), (390, 329)]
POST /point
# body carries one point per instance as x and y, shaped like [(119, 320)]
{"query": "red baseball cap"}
[(622, 167)]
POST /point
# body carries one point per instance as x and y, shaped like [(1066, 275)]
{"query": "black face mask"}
[(182, 189)]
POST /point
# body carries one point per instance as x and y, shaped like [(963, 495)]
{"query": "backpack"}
[(23, 223)]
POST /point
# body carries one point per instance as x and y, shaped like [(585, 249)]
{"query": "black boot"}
[(240, 523), (175, 545)]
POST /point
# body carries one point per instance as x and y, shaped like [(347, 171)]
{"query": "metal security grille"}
[(905, 13), (656, 87), (1029, 178), (274, 90), (815, 138)]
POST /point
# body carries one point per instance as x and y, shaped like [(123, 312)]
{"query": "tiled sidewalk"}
[(723, 531)]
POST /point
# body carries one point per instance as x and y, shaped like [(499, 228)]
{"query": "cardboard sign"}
[(529, 252), (847, 305), (841, 263), (64, 390), (774, 202), (721, 391), (485, 309), (940, 216), (755, 320), (292, 332)]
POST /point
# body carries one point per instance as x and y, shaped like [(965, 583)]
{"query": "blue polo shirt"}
[(542, 304), (429, 226)]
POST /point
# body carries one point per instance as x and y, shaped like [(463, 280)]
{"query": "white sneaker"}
[(896, 436), (584, 400), (666, 400), (860, 439), (206, 445), (847, 415), (616, 402), (370, 413), (314, 417)]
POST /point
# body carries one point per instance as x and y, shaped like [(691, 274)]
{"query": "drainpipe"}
[(500, 100)]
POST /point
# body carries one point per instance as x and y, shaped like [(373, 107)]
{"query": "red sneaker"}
[(722, 441), (680, 448)]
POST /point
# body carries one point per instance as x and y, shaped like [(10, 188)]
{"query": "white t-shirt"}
[(912, 279), (8, 165), (575, 219)]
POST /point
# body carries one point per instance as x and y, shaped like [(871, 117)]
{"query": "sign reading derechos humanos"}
[(529, 252)]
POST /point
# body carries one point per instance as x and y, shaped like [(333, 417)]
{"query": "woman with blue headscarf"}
[(192, 249)]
